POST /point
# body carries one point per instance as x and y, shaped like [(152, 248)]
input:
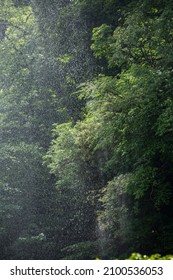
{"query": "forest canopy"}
[(86, 128)]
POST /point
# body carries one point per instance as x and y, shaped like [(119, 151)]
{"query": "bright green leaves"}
[(137, 256), (118, 156), (101, 41), (109, 173), (64, 58), (125, 129), (113, 218), (141, 39), (16, 49), (18, 23), (61, 152), (67, 160)]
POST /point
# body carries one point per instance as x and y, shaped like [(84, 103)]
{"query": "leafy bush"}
[(137, 256)]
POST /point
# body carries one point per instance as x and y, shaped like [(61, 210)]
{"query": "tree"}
[(27, 194), (100, 75), (124, 132)]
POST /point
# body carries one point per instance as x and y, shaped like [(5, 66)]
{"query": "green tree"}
[(126, 131), (25, 132)]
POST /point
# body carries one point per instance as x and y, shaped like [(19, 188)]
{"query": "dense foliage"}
[(86, 125)]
